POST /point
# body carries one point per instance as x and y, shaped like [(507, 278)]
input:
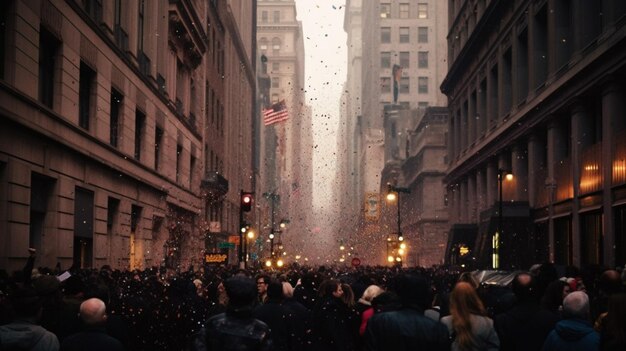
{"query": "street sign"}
[(215, 258), (356, 262), (225, 245)]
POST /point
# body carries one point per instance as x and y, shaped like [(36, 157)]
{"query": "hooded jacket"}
[(23, 335), (572, 335)]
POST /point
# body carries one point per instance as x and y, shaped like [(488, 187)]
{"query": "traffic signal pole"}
[(240, 246)]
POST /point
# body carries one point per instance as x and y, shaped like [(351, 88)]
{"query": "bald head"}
[(93, 312), (576, 305)]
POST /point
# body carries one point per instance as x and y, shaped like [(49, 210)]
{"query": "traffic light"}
[(246, 202)]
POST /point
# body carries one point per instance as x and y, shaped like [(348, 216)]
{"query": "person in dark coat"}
[(24, 332), (236, 329), (276, 316), (407, 328), (331, 319), (575, 332), (526, 325), (300, 318), (94, 336), (613, 326)]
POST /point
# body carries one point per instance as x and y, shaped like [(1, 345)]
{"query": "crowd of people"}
[(311, 308)]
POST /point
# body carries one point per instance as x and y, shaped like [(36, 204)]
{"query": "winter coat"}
[(572, 335), (93, 339), (524, 327), (22, 335), (405, 329), (234, 330), (485, 337), (332, 323)]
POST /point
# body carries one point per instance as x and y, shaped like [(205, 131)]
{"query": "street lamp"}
[(502, 174), (393, 193)]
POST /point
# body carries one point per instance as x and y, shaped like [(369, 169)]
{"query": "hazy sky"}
[(325, 74)]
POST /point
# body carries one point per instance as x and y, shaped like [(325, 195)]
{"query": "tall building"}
[(285, 160), (535, 91), (407, 35), (115, 147)]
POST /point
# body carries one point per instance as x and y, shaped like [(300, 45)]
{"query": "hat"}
[(46, 285)]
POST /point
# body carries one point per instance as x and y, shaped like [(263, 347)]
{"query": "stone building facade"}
[(108, 111), (535, 89)]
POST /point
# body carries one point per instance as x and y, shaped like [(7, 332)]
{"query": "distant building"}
[(285, 158), (535, 89), (408, 35), (115, 147)]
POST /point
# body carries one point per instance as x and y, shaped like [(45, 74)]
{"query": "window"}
[(274, 98), (264, 17), (404, 34), (422, 34), (135, 217), (158, 145), (404, 59), (3, 30), (422, 10), (263, 44), (116, 108), (422, 85), (385, 85), (113, 206), (140, 25), (85, 88), (140, 124), (275, 67), (422, 59), (422, 105), (179, 158), (48, 47), (276, 17), (385, 59), (93, 9), (276, 45), (275, 82), (404, 10), (192, 167), (405, 85), (385, 34), (385, 10), (121, 37)]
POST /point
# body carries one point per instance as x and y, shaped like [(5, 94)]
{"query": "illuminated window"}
[(422, 10)]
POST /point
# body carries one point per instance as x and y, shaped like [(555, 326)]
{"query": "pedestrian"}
[(331, 319), (235, 329), (262, 281), (364, 305), (575, 332), (525, 326), (468, 324), (407, 328), (24, 332), (94, 336), (276, 316), (613, 326)]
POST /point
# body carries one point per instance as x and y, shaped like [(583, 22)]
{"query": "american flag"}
[(275, 113)]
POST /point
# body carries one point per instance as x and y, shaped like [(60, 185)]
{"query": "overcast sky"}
[(325, 74)]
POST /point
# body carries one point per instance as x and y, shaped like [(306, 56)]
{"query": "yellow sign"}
[(371, 206), (216, 258)]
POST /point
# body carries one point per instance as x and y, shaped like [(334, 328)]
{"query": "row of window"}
[(404, 35), (404, 86), (265, 16), (276, 43), (404, 59), (404, 11)]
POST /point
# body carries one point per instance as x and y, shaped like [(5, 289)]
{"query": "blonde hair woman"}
[(468, 324)]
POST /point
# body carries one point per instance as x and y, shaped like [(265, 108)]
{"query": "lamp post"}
[(393, 193), (502, 173), (273, 197)]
